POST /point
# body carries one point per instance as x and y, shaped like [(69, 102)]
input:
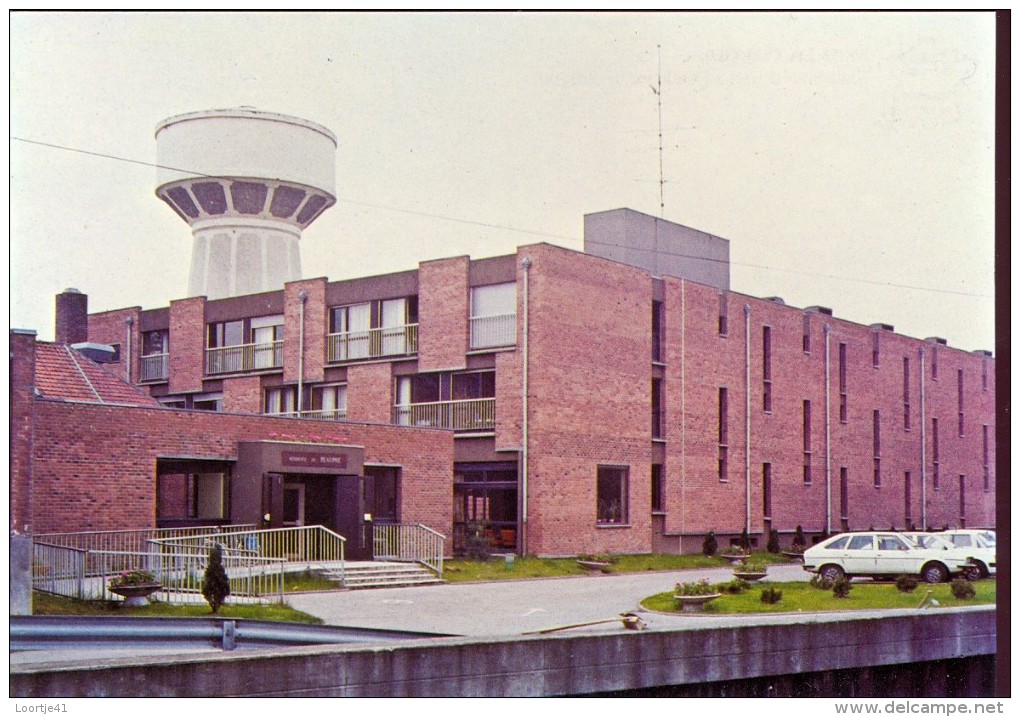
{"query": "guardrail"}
[(474, 414), (371, 343), (493, 331), (244, 357), (154, 367), (409, 542), (132, 540), (65, 632)]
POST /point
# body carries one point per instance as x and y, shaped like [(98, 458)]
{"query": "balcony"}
[(155, 367), (334, 414), (244, 357), (474, 414), (373, 343), (493, 331)]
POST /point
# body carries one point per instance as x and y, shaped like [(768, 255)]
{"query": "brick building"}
[(620, 399)]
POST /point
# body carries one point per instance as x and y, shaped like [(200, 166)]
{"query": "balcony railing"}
[(334, 414), (493, 331), (244, 357), (475, 414), (155, 367), (389, 341)]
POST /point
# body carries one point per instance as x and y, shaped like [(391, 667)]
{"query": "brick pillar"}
[(443, 297), (315, 330), (187, 344), (22, 378)]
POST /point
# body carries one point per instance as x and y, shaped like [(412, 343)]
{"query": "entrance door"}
[(293, 505)]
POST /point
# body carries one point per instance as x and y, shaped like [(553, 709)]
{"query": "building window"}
[(207, 402), (766, 368), (844, 497), (984, 457), (723, 434), (281, 401), (766, 489), (959, 400), (381, 490), (493, 316), (807, 442), (842, 383), (874, 349), (155, 360), (612, 493), (876, 441), (963, 502), (907, 520), (806, 340), (388, 327), (328, 402), (462, 401), (984, 375), (656, 408), (906, 393), (485, 499), (723, 315), (658, 502), (191, 497), (245, 345), (934, 362), (935, 453), (657, 331)]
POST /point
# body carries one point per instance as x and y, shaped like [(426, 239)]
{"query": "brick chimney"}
[(72, 326)]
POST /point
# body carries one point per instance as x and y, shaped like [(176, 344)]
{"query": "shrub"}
[(751, 565), (907, 583), (962, 589), (820, 583), (709, 546), (733, 587), (773, 544), (841, 588), (215, 585), (477, 545), (700, 587), (770, 596), (798, 539), (745, 541)]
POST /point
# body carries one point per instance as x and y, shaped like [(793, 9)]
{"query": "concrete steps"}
[(361, 576)]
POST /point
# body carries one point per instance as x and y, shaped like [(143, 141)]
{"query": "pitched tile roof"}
[(62, 373)]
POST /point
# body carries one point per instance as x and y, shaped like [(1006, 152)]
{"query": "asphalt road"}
[(515, 606)]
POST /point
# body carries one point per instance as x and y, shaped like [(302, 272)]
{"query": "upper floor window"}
[(388, 327), (874, 349), (806, 339), (464, 401), (493, 316), (328, 402), (766, 368), (244, 345), (612, 492), (155, 361), (723, 318), (155, 342), (657, 331), (281, 400), (842, 383)]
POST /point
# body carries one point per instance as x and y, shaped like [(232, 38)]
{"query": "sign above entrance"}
[(308, 459)]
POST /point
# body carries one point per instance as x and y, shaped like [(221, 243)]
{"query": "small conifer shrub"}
[(215, 585), (770, 596), (841, 588), (962, 589), (710, 546), (907, 583), (773, 544), (799, 541), (820, 583)]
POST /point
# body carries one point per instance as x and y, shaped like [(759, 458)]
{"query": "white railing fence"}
[(244, 357), (308, 543), (493, 331), (154, 367), (370, 343), (409, 542), (474, 414), (132, 540)]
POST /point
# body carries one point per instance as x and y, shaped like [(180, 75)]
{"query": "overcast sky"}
[(848, 158)]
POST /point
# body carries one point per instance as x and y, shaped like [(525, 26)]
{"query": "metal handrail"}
[(473, 414), (154, 367), (329, 414), (244, 357), (371, 343), (493, 331), (132, 539), (409, 542)]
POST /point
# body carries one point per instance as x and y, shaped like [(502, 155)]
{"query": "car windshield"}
[(989, 537), (934, 542)]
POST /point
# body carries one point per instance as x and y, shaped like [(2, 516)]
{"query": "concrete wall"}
[(560, 664)]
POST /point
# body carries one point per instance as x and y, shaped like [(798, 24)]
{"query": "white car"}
[(940, 541), (981, 545), (881, 554)]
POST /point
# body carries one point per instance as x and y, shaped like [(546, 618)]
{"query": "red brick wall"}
[(187, 344), (316, 328), (509, 399), (443, 298), (370, 392), (589, 399), (94, 465), (109, 328), (22, 380), (242, 394)]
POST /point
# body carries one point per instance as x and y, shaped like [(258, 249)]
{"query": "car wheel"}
[(832, 573), (934, 573), (977, 572)]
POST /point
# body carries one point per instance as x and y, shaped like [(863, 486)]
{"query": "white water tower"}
[(247, 182)]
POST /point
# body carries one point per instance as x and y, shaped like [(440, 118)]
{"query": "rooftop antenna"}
[(658, 95)]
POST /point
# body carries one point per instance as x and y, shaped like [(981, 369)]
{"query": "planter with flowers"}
[(692, 597), (751, 570), (135, 586), (735, 555)]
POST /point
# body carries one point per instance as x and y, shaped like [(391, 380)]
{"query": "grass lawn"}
[(801, 597), (458, 570), (46, 604), (307, 581)]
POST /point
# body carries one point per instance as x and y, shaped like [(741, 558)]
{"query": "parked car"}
[(981, 544), (881, 554), (940, 541)]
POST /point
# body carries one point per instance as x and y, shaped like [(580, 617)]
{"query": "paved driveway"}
[(516, 606)]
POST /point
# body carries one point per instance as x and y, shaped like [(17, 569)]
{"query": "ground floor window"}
[(381, 493), (485, 503), (612, 491), (192, 493)]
